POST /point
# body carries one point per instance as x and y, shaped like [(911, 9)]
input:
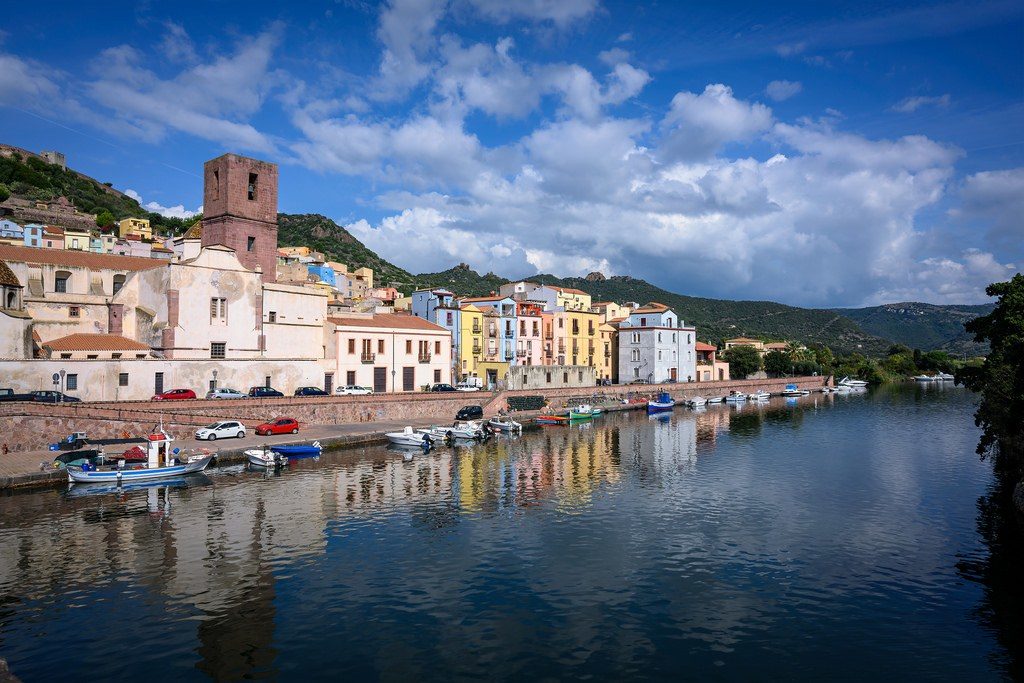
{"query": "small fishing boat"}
[(794, 390), (664, 404), (264, 457), (716, 399), (298, 450), (410, 438), (551, 420), (467, 431), (759, 395), (577, 415), (697, 402), (944, 377), (504, 423), (736, 397), (162, 462), (924, 378)]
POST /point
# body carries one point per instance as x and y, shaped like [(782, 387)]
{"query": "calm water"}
[(824, 538)]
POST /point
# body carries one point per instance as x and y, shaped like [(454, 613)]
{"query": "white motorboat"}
[(696, 402), (716, 399), (944, 377), (161, 462), (465, 431), (735, 397), (924, 378), (504, 423), (410, 437), (852, 383), (759, 395), (264, 457), (794, 390)]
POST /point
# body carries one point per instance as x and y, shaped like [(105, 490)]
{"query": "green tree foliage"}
[(743, 361), (1000, 379), (104, 218), (5, 192), (777, 363)]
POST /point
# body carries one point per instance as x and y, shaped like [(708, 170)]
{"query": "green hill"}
[(922, 326), (324, 235)]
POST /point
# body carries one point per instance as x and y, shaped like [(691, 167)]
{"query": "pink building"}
[(529, 341)]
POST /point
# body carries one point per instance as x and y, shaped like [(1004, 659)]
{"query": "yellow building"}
[(471, 347), (572, 299), (745, 341), (609, 310), (135, 226), (76, 239), (607, 352), (576, 338)]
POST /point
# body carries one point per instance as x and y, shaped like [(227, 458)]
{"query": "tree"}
[(823, 356), (743, 361), (5, 192), (776, 363), (104, 218), (896, 349), (1000, 379)]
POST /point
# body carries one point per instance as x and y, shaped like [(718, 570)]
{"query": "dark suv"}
[(264, 392), (442, 387), (310, 391), (470, 413)]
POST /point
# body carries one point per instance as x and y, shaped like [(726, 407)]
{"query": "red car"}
[(284, 425), (175, 395)]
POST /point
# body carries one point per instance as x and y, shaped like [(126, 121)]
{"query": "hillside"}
[(324, 235), (922, 326), (30, 179)]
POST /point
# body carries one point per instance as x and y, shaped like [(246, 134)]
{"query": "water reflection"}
[(624, 547)]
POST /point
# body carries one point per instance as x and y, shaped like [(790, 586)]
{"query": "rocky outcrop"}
[(596, 276)]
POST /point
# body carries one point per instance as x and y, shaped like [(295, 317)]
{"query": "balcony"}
[(548, 335), (607, 354), (424, 358), (476, 328), (561, 348), (521, 353), (477, 350), (368, 357), (547, 353), (508, 354)]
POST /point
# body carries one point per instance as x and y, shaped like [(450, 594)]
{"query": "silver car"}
[(221, 430), (224, 392), (354, 390)]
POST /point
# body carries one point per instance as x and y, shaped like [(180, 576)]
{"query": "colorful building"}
[(135, 226), (470, 342)]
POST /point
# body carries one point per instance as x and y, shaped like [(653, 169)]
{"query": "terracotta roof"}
[(777, 345), (701, 346), (744, 340), (82, 259), (95, 342), (496, 297), (618, 320), (602, 303), (652, 307), (389, 320), (7, 276), (571, 291), (53, 230)]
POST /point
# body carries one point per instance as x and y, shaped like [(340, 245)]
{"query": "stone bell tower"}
[(240, 210)]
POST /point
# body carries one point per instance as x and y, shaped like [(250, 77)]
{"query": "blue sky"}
[(819, 154)]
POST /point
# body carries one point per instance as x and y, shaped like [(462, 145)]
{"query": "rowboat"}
[(696, 402), (161, 462), (504, 423), (716, 399), (264, 457), (576, 415), (662, 405), (298, 450), (551, 420)]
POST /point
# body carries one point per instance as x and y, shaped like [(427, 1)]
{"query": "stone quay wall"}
[(30, 426)]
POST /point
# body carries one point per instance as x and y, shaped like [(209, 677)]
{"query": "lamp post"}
[(215, 379), (63, 385)]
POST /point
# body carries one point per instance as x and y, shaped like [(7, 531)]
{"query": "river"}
[(830, 537)]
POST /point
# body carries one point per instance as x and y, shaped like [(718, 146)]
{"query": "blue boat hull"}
[(655, 407), (80, 476), (296, 451)]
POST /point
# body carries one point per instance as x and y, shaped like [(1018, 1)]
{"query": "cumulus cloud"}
[(178, 211), (783, 90), (912, 104), (406, 30), (696, 126), (995, 200), (559, 12), (25, 82)]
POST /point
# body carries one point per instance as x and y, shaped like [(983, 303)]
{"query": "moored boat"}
[(944, 377), (504, 423), (696, 402), (466, 431), (161, 462), (794, 390), (716, 399), (924, 378), (664, 404), (551, 419), (759, 395), (298, 450), (264, 457), (852, 383), (736, 397), (410, 437)]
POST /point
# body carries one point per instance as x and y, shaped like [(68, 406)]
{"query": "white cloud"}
[(177, 44), (696, 126), (995, 199), (912, 104), (178, 211), (783, 90), (559, 12), (25, 83), (407, 33)]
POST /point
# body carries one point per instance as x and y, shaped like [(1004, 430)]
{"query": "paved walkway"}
[(23, 468)]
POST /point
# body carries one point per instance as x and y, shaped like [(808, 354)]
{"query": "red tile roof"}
[(652, 307), (7, 276), (389, 320), (701, 346), (82, 259), (95, 342), (571, 291)]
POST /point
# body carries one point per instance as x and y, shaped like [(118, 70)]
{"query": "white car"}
[(463, 386), (354, 390), (224, 392), (221, 430)]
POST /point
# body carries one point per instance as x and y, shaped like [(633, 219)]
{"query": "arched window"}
[(12, 298), (60, 281), (118, 283)]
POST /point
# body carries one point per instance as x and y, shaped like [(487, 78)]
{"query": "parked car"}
[(221, 430), (52, 397), (9, 395), (264, 392), (470, 413), (354, 390), (639, 381), (465, 386), (442, 387), (310, 391), (224, 392), (175, 395), (283, 425)]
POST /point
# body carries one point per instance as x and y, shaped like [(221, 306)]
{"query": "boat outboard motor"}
[(427, 442)]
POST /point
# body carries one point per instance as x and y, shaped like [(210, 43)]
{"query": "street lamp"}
[(63, 386), (215, 379)]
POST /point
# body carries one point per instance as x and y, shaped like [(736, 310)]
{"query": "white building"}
[(655, 346), (391, 352)]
